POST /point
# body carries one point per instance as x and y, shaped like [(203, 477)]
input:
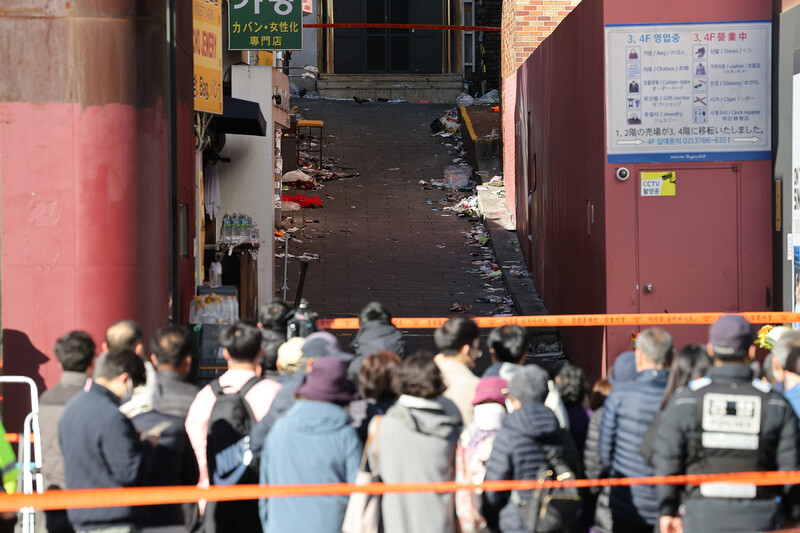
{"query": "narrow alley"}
[(382, 235)]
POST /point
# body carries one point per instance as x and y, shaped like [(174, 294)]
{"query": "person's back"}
[(727, 422), (520, 448), (272, 319), (101, 447), (312, 443), (174, 463), (475, 448), (171, 348), (627, 415), (242, 349), (508, 349), (457, 342), (416, 443), (75, 352), (176, 395), (376, 333)]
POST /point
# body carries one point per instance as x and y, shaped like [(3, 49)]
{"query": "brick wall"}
[(525, 24)]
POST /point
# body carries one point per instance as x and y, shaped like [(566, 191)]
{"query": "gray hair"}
[(784, 345), (656, 346)]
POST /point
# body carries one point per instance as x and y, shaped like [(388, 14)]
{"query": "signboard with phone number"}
[(688, 92)]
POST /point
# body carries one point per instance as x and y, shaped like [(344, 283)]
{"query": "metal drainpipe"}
[(172, 158)]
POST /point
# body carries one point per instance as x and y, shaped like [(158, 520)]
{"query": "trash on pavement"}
[(492, 97), (457, 176), (302, 200), (464, 99)]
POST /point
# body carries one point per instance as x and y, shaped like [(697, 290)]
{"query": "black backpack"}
[(555, 510), (230, 460)]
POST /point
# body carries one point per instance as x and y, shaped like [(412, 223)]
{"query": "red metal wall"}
[(83, 161), (579, 267), (561, 86)]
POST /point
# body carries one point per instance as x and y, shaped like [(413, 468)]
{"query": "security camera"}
[(623, 174)]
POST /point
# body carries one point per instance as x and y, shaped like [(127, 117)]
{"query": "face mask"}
[(129, 387), (489, 416), (509, 405)]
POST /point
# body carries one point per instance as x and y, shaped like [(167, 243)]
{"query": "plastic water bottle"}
[(247, 224), (225, 232), (237, 227), (255, 233)]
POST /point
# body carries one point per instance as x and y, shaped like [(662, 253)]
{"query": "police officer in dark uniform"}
[(727, 422)]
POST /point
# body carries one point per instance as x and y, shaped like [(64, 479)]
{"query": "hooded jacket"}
[(527, 435), (312, 443), (372, 337), (417, 443)]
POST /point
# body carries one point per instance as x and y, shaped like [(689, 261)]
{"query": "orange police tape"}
[(651, 319), (84, 498)]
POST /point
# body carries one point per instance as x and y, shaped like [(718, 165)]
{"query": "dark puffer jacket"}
[(518, 453), (777, 450), (372, 337), (627, 414), (593, 468)]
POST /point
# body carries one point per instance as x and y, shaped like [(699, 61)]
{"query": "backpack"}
[(554, 510), (230, 460)]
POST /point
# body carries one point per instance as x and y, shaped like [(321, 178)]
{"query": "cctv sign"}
[(265, 25), (688, 92)]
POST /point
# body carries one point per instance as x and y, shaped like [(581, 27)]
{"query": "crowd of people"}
[(303, 410)]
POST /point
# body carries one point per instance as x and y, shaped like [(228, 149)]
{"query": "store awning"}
[(241, 117)]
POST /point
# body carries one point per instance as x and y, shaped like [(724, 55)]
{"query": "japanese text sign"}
[(206, 37), (688, 92), (265, 25)]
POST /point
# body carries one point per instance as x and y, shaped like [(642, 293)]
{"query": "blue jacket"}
[(628, 412), (518, 450), (312, 443), (102, 450)]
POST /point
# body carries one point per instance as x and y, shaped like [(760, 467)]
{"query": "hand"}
[(670, 524)]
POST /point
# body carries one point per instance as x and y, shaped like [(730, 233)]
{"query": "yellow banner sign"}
[(660, 183), (207, 37)]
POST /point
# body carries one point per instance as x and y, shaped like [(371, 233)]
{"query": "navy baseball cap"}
[(730, 334)]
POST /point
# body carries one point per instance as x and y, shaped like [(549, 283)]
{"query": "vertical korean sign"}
[(688, 92), (206, 36), (265, 25)]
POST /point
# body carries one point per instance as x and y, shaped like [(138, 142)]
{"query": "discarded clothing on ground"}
[(303, 200)]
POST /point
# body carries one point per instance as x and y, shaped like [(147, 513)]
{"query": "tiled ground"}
[(377, 237)]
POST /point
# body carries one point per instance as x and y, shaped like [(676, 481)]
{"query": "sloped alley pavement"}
[(382, 235)]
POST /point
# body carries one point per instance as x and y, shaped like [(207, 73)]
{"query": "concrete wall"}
[(246, 183)]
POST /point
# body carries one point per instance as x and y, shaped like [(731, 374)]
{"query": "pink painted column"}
[(83, 176)]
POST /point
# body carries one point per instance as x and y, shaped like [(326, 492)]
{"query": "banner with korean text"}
[(207, 37), (688, 92), (265, 25)]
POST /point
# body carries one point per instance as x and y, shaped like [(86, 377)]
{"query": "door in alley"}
[(378, 50), (688, 243)]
